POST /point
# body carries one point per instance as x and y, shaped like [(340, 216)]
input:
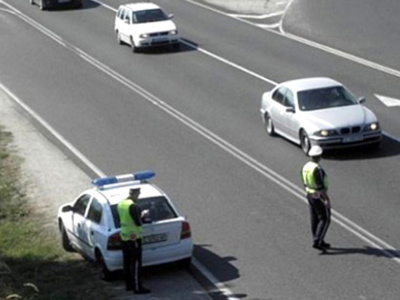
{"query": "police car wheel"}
[(185, 263), (66, 244), (105, 274)]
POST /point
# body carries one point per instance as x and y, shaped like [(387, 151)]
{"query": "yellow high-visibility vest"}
[(308, 178), (128, 226)]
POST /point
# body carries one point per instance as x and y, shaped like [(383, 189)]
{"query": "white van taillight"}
[(114, 242), (185, 233)]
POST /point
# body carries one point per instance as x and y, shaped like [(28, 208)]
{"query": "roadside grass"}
[(33, 264)]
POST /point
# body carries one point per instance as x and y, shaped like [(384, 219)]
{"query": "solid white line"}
[(257, 17), (275, 25), (227, 62)]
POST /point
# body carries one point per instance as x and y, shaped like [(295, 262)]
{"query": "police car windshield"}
[(159, 209)]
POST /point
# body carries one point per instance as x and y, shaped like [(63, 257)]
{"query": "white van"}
[(144, 25)]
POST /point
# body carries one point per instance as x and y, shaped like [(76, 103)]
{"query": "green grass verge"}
[(33, 264)]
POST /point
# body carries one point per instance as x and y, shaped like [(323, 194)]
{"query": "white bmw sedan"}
[(90, 224), (319, 111)]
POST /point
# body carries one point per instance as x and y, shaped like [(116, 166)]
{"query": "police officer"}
[(131, 235), (316, 185)]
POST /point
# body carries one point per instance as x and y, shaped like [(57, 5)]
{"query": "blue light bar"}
[(104, 180), (138, 176), (144, 175)]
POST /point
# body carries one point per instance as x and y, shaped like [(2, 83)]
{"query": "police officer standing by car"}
[(131, 235), (316, 185)]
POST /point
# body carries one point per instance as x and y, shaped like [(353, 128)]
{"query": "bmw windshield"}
[(325, 98)]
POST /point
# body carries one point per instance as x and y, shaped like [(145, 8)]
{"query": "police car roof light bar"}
[(138, 176)]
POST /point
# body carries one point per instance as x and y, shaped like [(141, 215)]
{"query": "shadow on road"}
[(221, 269), (389, 147), (376, 252)]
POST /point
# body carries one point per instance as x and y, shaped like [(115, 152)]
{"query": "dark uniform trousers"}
[(132, 255), (320, 219)]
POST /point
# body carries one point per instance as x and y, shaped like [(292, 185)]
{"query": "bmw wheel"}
[(305, 142), (269, 125)]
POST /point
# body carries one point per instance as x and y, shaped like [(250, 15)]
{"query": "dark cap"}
[(134, 191)]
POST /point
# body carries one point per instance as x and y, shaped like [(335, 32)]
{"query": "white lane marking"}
[(257, 17), (275, 25), (388, 250), (388, 101), (228, 62)]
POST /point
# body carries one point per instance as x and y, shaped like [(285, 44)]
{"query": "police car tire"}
[(65, 240), (105, 274), (185, 263)]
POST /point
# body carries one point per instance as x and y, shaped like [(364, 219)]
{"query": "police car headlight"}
[(144, 35), (372, 127), (173, 32), (326, 132)]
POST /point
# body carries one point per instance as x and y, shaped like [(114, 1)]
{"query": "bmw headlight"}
[(173, 32), (144, 35), (372, 127), (326, 132)]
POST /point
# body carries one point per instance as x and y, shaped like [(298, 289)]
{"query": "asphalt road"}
[(193, 116)]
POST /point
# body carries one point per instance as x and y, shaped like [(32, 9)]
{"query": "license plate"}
[(353, 138), (155, 238)]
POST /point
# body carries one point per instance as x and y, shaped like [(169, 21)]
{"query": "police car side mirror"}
[(67, 208)]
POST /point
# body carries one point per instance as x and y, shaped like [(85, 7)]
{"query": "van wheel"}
[(134, 48), (305, 142), (119, 38)]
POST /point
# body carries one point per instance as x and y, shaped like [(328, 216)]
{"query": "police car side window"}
[(81, 204), (95, 211)]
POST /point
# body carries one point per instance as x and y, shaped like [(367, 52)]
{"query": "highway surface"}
[(193, 117)]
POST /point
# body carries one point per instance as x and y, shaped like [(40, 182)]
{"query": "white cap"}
[(315, 151)]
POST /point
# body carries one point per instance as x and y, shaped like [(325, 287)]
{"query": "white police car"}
[(90, 224)]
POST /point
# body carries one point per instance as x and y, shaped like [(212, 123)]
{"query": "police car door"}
[(92, 229), (78, 219)]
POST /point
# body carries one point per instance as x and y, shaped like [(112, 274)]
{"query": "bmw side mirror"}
[(290, 109), (361, 100), (170, 16)]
